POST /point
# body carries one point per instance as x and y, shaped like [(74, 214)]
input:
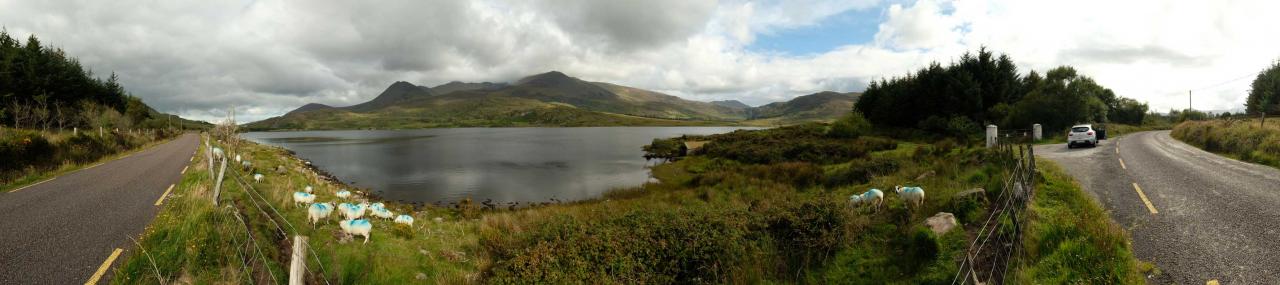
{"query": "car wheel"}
[(1070, 146)]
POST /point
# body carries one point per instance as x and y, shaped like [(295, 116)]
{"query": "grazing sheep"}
[(308, 189), (378, 205), (351, 212), (343, 194), (303, 198), (245, 165), (217, 152), (360, 227), (257, 177), (318, 211), (913, 195), (405, 219), (237, 158), (383, 213), (874, 196)]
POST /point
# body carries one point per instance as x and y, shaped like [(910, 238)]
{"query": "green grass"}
[(65, 155), (1240, 139), (1070, 239)]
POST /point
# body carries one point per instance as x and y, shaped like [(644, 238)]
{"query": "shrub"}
[(19, 149), (850, 126)]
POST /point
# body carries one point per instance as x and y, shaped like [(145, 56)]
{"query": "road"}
[(1204, 217), (62, 231)]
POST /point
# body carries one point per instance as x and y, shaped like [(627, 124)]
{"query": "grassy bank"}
[(764, 206), (1071, 239), (1240, 139), (30, 156)]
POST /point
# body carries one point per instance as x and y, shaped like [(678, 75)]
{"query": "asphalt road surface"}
[(1204, 217), (62, 231)]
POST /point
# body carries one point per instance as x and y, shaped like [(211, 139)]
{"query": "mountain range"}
[(549, 99)]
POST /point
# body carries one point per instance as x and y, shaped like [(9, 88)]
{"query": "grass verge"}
[(66, 153), (1070, 239), (1245, 140)]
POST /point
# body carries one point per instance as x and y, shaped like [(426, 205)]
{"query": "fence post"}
[(298, 262), (217, 184), (992, 132)]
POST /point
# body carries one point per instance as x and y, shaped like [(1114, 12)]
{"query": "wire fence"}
[(994, 248)]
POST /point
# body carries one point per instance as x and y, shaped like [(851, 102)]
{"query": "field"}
[(746, 209), (1245, 140)]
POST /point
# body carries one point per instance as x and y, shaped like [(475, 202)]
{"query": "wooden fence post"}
[(298, 262), (217, 184)]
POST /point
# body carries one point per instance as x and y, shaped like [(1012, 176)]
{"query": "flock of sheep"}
[(352, 222), (914, 196)]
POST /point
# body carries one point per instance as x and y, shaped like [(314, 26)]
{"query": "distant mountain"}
[(821, 106), (735, 104), (548, 99)]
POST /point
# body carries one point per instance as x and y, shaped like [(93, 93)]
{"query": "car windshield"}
[(1079, 129)]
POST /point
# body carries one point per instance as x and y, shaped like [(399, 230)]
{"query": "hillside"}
[(547, 99)]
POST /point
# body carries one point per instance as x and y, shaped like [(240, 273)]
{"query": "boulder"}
[(941, 223), (926, 174), (971, 192)]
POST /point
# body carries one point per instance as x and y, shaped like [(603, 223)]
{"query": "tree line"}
[(41, 87), (983, 88)]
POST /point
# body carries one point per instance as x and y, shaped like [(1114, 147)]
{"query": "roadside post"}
[(1036, 132), (991, 135)]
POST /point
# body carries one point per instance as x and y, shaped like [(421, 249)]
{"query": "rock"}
[(926, 174), (280, 169), (420, 276), (941, 223), (439, 219)]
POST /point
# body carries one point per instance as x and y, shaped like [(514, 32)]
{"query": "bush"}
[(861, 171), (19, 149), (850, 126)]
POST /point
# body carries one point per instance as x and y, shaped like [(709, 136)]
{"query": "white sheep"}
[(378, 205), (343, 194), (237, 158), (383, 213), (874, 196), (303, 198), (405, 219), (318, 211), (217, 152), (360, 227), (913, 195), (351, 212), (308, 189), (257, 177)]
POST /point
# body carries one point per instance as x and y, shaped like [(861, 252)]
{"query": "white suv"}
[(1082, 134)]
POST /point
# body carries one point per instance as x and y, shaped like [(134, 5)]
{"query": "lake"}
[(503, 164)]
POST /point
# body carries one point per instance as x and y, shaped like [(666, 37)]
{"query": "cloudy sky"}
[(198, 58)]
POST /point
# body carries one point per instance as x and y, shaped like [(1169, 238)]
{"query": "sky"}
[(264, 58)]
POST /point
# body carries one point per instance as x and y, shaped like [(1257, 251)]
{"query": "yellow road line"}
[(103, 269), (32, 184), (184, 170), (1212, 282), (166, 193), (1122, 163), (1150, 207), (193, 158)]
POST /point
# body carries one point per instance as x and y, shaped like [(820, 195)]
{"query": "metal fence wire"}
[(994, 248)]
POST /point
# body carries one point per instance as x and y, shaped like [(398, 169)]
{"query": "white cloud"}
[(269, 56)]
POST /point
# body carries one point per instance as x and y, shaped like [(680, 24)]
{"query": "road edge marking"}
[(1211, 282), (103, 268), (1150, 207), (32, 184), (1122, 164), (184, 170), (166, 193)]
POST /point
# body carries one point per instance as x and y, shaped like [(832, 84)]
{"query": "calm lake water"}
[(503, 164)]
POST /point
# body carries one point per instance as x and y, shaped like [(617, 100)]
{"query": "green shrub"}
[(20, 149), (850, 126), (861, 171)]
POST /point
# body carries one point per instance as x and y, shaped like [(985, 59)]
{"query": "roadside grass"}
[(243, 240), (35, 156), (1239, 139), (1070, 239)]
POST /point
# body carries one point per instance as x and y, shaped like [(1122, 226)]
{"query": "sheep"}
[(360, 227), (303, 198), (257, 177), (405, 219), (383, 213), (873, 196), (308, 189), (350, 211), (318, 211), (913, 195), (246, 165), (217, 152), (237, 158), (343, 194), (378, 205)]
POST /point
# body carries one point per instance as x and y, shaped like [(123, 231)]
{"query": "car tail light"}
[(1090, 133)]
